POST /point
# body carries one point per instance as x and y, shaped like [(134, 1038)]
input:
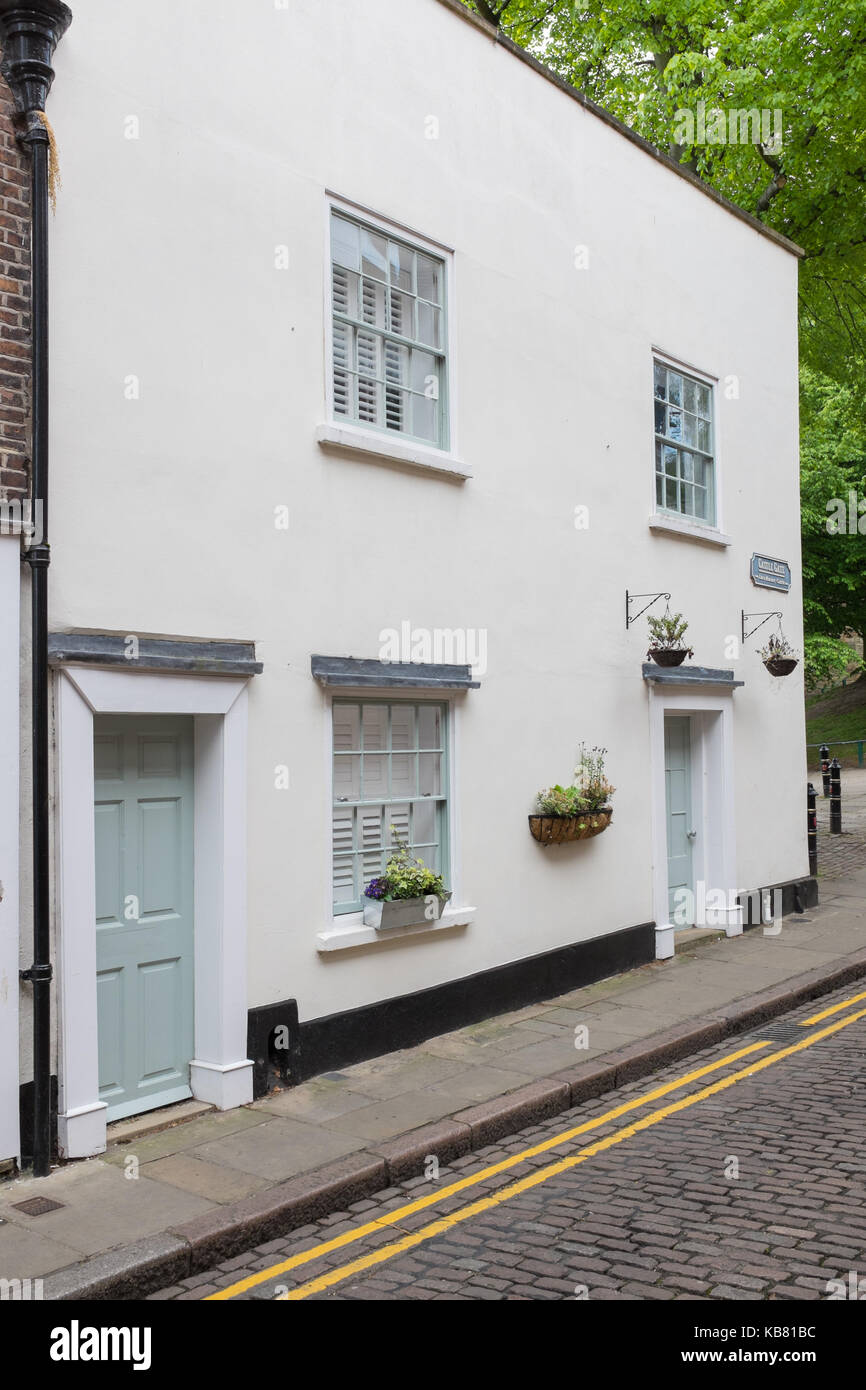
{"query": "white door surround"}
[(220, 1073), (711, 710), (10, 815)]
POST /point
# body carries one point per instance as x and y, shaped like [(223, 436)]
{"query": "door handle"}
[(690, 834)]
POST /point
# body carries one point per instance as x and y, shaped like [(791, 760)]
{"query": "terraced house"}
[(388, 382)]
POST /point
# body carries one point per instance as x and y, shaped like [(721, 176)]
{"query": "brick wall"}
[(14, 307)]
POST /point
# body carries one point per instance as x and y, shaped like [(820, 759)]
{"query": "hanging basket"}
[(781, 665), (672, 657), (556, 830)]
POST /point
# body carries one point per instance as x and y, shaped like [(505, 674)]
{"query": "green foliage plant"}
[(667, 633), (590, 791)]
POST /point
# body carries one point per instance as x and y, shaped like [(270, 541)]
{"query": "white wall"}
[(163, 267)]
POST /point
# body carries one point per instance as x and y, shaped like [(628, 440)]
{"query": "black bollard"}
[(812, 828), (835, 797), (824, 753)]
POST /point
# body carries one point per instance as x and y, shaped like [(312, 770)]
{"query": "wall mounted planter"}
[(781, 665), (557, 830), (673, 657), (401, 912)]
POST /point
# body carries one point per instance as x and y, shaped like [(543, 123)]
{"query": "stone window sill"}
[(349, 931), (681, 526), (351, 439)]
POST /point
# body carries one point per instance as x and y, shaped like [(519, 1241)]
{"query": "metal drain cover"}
[(37, 1206), (783, 1032)]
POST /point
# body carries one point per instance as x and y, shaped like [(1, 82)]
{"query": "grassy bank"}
[(837, 716)]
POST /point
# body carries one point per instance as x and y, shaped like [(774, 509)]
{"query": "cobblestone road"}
[(839, 855), (753, 1192)]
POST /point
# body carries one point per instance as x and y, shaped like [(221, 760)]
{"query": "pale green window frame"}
[(389, 332), (685, 464), (367, 864)]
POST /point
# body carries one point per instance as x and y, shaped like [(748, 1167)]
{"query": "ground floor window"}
[(390, 769)]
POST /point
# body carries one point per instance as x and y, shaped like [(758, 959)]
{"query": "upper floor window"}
[(685, 461), (389, 365)]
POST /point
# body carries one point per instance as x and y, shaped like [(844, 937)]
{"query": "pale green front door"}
[(143, 768), (678, 810)]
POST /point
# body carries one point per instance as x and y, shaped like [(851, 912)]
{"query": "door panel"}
[(161, 853), (109, 862), (144, 908), (678, 806), (109, 1004), (161, 992), (108, 756)]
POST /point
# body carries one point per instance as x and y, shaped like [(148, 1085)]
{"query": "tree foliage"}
[(826, 660), (832, 488)]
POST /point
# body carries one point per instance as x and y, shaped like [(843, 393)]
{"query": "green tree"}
[(832, 486)]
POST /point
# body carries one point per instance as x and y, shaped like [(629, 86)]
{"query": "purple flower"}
[(376, 888)]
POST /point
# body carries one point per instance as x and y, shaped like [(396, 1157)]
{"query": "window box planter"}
[(557, 830), (401, 912), (668, 657), (780, 665)]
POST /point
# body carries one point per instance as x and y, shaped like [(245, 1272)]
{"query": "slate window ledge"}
[(200, 658), (689, 530), (368, 673), (354, 440), (349, 931), (688, 675)]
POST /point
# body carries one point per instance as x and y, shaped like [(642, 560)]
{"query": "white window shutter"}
[(342, 345), (388, 343)]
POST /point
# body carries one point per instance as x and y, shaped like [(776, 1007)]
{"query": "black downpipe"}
[(39, 558), (29, 34)]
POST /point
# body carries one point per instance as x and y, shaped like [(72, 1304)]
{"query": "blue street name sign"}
[(771, 574)]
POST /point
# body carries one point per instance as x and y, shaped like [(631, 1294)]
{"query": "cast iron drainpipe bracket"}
[(44, 974)]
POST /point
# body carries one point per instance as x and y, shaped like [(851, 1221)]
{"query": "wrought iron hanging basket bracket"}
[(632, 598), (747, 617)]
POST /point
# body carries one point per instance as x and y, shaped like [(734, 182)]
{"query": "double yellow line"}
[(836, 1008), (465, 1213)]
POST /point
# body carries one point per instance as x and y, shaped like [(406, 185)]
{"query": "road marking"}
[(436, 1196), (816, 1018), (445, 1223)]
